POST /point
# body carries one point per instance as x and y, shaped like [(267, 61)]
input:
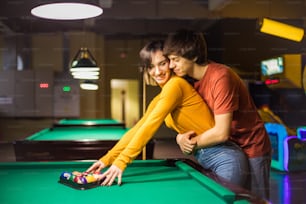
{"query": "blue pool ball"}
[(66, 175)]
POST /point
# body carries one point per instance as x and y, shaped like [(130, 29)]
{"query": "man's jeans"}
[(260, 176), (227, 160)]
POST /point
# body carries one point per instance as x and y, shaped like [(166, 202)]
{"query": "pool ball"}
[(90, 178), (83, 180), (77, 179), (66, 175)]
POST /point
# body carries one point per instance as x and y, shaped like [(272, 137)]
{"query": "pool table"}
[(144, 181), (89, 122), (64, 143)]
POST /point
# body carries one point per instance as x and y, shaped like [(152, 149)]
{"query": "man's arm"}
[(216, 135)]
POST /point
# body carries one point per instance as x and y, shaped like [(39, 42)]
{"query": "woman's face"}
[(159, 69)]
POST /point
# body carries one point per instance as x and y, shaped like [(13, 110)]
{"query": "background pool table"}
[(63, 143), (89, 122), (144, 181)]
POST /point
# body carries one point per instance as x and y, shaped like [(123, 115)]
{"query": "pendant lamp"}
[(89, 85), (84, 65), (66, 11), (282, 30)]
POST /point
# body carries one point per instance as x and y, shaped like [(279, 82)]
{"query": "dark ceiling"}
[(147, 16)]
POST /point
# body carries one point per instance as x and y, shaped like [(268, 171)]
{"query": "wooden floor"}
[(285, 188)]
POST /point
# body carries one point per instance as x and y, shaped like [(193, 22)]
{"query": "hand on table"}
[(110, 175), (96, 167), (185, 143)]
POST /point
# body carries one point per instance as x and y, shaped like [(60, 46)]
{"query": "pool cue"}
[(144, 150), (123, 105)]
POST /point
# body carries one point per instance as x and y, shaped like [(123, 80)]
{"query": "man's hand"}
[(186, 144), (110, 175)]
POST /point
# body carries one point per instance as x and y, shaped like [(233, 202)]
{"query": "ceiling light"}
[(67, 11), (89, 85), (281, 30), (84, 66), (82, 69), (85, 75)]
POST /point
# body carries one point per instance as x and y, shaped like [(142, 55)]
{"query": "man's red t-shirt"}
[(224, 92)]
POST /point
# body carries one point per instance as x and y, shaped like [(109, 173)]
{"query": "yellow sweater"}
[(178, 104)]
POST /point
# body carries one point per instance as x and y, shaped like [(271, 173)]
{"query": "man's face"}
[(181, 66)]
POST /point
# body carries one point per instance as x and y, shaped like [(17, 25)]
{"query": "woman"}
[(178, 104)]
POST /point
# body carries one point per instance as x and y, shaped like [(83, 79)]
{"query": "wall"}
[(238, 42), (235, 42), (47, 52), (1, 57)]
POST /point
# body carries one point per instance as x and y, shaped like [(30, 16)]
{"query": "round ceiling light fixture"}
[(66, 11), (89, 85)]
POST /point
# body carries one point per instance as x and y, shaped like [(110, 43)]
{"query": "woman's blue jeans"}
[(227, 160)]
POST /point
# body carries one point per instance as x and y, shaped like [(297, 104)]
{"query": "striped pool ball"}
[(83, 180), (72, 177), (66, 175)]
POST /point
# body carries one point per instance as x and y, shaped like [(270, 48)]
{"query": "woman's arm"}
[(127, 137), (161, 107), (167, 101)]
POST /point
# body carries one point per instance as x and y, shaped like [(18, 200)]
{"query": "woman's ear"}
[(195, 59)]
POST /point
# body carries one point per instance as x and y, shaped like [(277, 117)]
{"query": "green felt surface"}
[(88, 121), (150, 181), (79, 133)]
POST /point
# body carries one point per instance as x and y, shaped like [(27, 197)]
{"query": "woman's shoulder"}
[(176, 82)]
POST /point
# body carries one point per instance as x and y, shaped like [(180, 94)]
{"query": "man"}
[(237, 122)]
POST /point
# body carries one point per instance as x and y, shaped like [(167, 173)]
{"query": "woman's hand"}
[(95, 167), (185, 143), (110, 175)]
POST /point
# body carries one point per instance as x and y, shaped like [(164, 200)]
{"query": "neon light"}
[(286, 152), (43, 85), (272, 81), (66, 88), (301, 132), (280, 130), (287, 194), (281, 30)]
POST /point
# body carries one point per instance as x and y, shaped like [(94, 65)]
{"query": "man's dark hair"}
[(188, 44)]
